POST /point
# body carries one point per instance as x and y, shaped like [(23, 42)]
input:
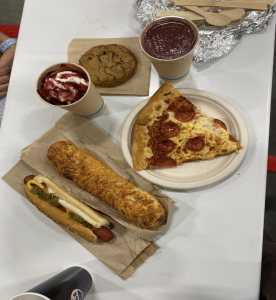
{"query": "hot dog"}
[(66, 210)]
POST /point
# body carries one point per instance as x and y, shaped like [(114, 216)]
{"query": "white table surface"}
[(212, 246)]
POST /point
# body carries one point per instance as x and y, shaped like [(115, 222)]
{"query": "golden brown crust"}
[(153, 109), (60, 217), (92, 175)]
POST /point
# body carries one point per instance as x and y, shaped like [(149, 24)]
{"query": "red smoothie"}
[(169, 39)]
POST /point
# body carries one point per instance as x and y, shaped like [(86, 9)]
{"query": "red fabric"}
[(271, 163), (10, 30)]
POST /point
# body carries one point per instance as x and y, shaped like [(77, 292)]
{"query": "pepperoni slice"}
[(185, 115), (165, 162), (231, 138), (166, 146), (195, 144), (220, 123), (172, 107), (170, 129)]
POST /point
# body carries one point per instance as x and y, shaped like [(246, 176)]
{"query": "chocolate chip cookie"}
[(109, 65)]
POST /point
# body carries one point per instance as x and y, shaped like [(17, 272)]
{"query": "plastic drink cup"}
[(73, 283), (169, 42), (91, 105)]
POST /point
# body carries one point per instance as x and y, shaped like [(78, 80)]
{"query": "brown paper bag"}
[(123, 255), (138, 84), (92, 140)]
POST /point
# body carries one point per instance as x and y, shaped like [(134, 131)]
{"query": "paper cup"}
[(73, 283), (91, 105), (30, 296), (171, 70)]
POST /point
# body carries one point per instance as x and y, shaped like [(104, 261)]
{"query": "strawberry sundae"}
[(63, 87)]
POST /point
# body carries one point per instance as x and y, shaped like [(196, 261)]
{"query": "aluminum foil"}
[(214, 42)]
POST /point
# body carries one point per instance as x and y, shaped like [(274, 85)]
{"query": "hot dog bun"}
[(60, 217), (66, 210), (100, 221)]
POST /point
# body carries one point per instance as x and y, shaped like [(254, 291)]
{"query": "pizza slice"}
[(170, 131)]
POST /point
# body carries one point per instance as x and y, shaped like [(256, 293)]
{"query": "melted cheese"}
[(216, 138)]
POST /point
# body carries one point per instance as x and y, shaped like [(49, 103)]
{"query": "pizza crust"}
[(153, 109)]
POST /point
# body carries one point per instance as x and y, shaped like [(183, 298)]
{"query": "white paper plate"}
[(197, 173)]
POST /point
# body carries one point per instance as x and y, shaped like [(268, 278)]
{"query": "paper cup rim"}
[(34, 294), (163, 18), (67, 105)]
